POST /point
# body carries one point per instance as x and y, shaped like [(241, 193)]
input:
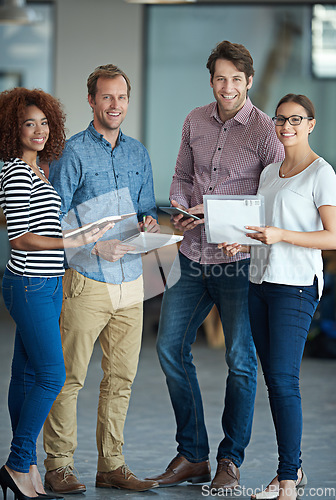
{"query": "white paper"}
[(227, 216), (98, 224), (145, 242)]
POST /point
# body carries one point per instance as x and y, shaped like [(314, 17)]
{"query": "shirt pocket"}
[(135, 183), (99, 182)]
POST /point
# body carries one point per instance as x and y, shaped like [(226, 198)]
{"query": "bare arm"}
[(34, 242), (322, 240)]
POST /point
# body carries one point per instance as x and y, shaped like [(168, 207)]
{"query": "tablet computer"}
[(178, 211)]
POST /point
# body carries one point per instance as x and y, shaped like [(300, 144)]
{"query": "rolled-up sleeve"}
[(147, 204)]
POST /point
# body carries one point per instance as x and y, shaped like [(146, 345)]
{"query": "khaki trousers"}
[(112, 313)]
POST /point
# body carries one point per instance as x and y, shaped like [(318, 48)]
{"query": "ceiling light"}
[(16, 12)]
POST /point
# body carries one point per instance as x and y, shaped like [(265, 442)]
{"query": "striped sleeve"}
[(17, 190), (30, 205)]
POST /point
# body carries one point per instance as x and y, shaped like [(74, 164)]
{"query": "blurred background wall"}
[(164, 49)]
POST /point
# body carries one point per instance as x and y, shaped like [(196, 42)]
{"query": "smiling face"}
[(34, 132), (109, 105), (293, 135), (229, 88)]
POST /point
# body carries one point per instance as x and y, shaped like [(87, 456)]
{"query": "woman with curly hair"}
[(32, 129)]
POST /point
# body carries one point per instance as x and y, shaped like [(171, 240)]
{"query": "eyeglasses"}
[(292, 120)]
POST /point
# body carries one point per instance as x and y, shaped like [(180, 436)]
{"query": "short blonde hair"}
[(107, 71)]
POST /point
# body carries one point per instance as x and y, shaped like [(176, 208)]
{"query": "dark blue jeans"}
[(191, 292), (38, 372), (280, 320)]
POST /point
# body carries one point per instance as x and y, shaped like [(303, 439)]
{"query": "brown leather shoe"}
[(227, 475), (63, 480), (180, 470), (123, 479)]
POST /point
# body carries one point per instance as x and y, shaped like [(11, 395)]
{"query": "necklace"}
[(289, 171), (38, 172)]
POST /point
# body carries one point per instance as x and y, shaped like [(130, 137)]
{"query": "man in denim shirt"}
[(102, 172)]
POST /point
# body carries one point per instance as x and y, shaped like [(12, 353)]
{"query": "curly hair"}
[(13, 104), (234, 52)]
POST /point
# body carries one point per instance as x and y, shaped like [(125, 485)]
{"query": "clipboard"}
[(227, 215)]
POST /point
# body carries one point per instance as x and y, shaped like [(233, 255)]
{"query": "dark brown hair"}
[(233, 52), (107, 71), (13, 104), (300, 99)]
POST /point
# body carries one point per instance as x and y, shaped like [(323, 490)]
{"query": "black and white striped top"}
[(30, 205)]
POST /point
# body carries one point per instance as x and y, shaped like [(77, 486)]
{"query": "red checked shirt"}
[(220, 158)]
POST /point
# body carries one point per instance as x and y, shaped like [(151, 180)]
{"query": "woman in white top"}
[(286, 277), (32, 128)]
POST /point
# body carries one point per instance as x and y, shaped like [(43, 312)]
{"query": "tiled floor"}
[(150, 428)]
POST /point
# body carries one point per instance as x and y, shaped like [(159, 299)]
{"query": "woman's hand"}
[(231, 249), (267, 235), (90, 236), (31, 242)]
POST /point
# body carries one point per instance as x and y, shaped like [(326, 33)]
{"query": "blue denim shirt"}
[(94, 181)]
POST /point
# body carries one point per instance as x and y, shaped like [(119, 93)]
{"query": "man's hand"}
[(111, 250), (150, 225), (183, 223)]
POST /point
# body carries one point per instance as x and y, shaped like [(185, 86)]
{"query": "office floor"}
[(150, 427)]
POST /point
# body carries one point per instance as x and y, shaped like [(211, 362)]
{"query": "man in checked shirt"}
[(225, 145)]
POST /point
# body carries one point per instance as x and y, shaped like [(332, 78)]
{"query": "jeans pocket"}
[(32, 285), (73, 284), (310, 292)]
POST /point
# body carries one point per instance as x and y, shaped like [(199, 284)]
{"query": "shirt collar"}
[(241, 117), (100, 137)]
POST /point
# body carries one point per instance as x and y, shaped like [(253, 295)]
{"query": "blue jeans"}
[(38, 372), (191, 292), (280, 320)]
